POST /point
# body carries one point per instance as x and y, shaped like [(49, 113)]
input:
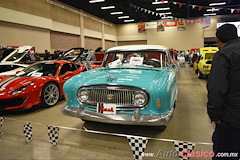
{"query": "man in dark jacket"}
[(223, 87)]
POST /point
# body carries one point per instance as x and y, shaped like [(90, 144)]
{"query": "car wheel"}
[(161, 128), (50, 95), (200, 75)]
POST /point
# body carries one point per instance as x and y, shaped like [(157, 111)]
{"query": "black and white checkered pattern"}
[(138, 145), (27, 130), (53, 133), (183, 148), (1, 124)]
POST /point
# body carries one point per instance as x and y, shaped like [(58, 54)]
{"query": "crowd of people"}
[(188, 57), (47, 55)]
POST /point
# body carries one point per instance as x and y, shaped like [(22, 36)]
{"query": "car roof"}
[(137, 48)]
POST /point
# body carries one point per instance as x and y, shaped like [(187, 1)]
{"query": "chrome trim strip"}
[(127, 119), (69, 111)]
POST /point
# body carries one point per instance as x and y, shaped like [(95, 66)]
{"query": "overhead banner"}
[(181, 25), (196, 20), (170, 23), (150, 25), (141, 27), (160, 26), (206, 23)]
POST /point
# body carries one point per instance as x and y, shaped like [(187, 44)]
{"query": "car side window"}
[(77, 66), (67, 67), (11, 67), (74, 67), (5, 68), (168, 60), (2, 68)]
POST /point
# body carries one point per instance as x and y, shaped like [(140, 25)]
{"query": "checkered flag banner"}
[(27, 130), (1, 124), (53, 133), (138, 145), (184, 149)]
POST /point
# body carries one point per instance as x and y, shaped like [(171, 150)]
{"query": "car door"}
[(67, 71)]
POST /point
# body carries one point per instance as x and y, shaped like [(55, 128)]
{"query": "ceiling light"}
[(159, 2), (129, 20), (108, 7), (95, 1), (163, 9), (114, 13), (123, 17), (168, 17), (212, 9), (166, 13), (210, 14), (217, 4)]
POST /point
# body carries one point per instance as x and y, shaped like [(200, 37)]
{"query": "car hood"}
[(139, 77), (10, 83)]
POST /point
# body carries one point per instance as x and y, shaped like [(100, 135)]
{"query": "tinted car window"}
[(2, 69), (6, 53), (67, 67), (39, 70), (17, 56), (136, 58), (5, 68)]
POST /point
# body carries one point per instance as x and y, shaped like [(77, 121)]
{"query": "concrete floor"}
[(190, 123)]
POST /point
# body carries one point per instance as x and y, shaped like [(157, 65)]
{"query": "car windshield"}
[(135, 58), (209, 55), (39, 70), (17, 55), (71, 55)]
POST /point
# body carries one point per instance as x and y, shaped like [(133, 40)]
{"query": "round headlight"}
[(140, 98), (83, 95)]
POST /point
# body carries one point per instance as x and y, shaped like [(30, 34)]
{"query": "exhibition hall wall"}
[(51, 27)]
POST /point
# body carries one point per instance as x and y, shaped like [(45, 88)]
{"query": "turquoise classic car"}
[(136, 85)]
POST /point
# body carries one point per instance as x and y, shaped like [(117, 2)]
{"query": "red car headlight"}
[(20, 89)]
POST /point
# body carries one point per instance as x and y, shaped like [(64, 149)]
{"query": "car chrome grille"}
[(118, 97), (122, 96)]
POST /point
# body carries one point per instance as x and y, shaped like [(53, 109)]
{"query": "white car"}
[(18, 55), (10, 68)]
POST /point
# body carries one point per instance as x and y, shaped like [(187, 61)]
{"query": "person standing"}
[(47, 55), (55, 55), (223, 87)]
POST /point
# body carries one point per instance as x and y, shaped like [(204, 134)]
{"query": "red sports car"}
[(41, 83)]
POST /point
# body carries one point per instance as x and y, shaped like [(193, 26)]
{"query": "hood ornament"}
[(111, 77)]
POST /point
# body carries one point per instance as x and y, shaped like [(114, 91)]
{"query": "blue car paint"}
[(151, 79)]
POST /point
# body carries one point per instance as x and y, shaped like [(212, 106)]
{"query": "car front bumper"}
[(126, 119)]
